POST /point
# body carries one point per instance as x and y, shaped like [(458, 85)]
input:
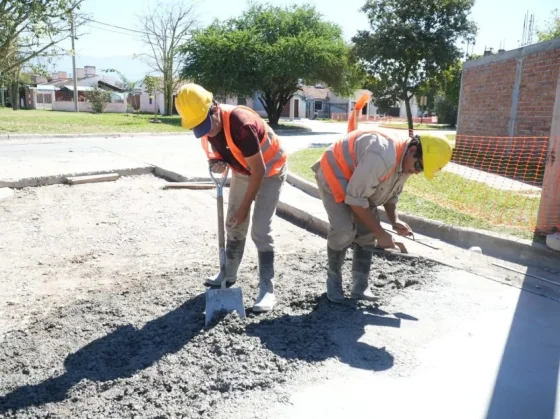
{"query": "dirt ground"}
[(101, 310)]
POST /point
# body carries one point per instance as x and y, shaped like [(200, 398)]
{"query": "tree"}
[(384, 98), (127, 84), (30, 28), (153, 85), (98, 98), (411, 42), (165, 28), (270, 52), (552, 29)]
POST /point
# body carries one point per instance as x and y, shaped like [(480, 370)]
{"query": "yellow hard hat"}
[(436, 153), (193, 103)]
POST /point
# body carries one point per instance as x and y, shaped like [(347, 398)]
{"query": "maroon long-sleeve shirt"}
[(246, 130)]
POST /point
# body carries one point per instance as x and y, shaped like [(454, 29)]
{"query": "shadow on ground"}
[(527, 382), (328, 331), (320, 330), (120, 354)]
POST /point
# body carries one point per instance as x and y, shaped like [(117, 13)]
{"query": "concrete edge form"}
[(61, 179), (502, 247)]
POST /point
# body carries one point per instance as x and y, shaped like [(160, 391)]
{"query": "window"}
[(318, 106), (150, 101), (242, 101)]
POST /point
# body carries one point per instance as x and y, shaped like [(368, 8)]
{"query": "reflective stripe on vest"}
[(273, 155), (339, 162)]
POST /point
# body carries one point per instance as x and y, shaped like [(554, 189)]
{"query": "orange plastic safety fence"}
[(495, 180)]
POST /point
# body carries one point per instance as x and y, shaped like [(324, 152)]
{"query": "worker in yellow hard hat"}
[(355, 175), (239, 137)]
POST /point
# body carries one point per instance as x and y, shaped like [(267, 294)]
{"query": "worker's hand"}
[(402, 228), (217, 166), (239, 216), (385, 241)]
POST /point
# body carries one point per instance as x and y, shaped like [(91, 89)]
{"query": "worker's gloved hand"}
[(402, 228), (385, 241), (217, 166)]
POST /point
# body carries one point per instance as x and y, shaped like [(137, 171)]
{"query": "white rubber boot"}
[(266, 299), (335, 293), (361, 265), (234, 254)]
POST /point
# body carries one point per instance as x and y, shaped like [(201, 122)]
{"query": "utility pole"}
[(74, 75)]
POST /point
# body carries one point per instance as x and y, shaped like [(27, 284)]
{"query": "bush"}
[(98, 99), (446, 111)]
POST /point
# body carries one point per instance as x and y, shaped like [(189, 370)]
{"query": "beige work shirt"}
[(376, 156)]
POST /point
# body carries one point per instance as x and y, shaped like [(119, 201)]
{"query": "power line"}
[(114, 26), (110, 30)]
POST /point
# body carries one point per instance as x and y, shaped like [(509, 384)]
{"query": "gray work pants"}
[(344, 228), (264, 209)]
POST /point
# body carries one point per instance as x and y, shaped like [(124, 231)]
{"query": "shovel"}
[(222, 299)]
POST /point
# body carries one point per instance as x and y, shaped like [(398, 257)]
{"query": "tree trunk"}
[(408, 113), (14, 95), (273, 105), (169, 97), (155, 106)]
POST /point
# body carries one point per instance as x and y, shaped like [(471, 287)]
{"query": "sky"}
[(500, 24)]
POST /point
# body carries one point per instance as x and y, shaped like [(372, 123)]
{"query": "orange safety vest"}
[(339, 161), (273, 155)]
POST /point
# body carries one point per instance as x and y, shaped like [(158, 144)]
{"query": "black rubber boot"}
[(266, 299), (336, 258), (234, 254), (361, 265)]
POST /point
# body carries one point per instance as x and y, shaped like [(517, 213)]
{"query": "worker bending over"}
[(355, 175), (239, 137)]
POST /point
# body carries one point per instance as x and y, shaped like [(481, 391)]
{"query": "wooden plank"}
[(189, 185), (79, 180)]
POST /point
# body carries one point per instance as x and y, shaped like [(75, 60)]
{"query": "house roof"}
[(110, 86), (80, 88), (312, 92)]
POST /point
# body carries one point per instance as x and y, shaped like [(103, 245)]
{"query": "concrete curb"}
[(92, 135), (176, 177), (61, 179), (495, 245), (146, 170), (302, 219), (116, 135)]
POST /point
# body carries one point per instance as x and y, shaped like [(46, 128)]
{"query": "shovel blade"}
[(227, 299)]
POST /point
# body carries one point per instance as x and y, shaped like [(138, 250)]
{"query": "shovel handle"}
[(220, 182)]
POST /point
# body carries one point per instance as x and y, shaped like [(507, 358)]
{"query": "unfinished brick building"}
[(510, 94)]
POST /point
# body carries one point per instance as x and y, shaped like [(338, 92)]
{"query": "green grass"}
[(453, 200), (53, 122), (426, 127)]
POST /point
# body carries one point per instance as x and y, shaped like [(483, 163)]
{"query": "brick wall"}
[(510, 94), (537, 93), (486, 99)]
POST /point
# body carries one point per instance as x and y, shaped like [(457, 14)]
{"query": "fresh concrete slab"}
[(309, 213), (80, 180)]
